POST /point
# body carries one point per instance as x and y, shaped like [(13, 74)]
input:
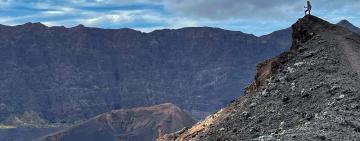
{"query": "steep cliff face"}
[(139, 124), (69, 74), (308, 93)]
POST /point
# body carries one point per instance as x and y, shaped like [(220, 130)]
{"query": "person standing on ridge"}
[(308, 8)]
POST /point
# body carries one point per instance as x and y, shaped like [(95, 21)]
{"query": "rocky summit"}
[(308, 93), (138, 124)]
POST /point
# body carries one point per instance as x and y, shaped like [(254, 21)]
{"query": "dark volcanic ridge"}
[(138, 124), (350, 26), (308, 93)]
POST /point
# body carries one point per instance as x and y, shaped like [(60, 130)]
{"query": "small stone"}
[(264, 93), (221, 129), (281, 126), (340, 97), (285, 99), (246, 114), (334, 88), (299, 64), (271, 111), (302, 91), (308, 117), (252, 105), (302, 49), (293, 86), (308, 55), (291, 70), (266, 138), (347, 91), (304, 95), (234, 130), (322, 41), (355, 106), (322, 138), (254, 130)]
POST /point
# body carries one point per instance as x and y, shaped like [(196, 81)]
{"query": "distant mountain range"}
[(70, 74), (348, 25)]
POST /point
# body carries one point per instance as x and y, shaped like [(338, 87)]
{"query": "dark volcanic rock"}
[(310, 93), (140, 124), (70, 74)]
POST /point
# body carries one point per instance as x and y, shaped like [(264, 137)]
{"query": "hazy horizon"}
[(162, 28)]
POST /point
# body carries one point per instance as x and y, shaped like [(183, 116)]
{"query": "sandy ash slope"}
[(138, 124), (309, 93)]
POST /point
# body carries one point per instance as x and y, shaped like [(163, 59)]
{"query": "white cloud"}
[(49, 23), (116, 17)]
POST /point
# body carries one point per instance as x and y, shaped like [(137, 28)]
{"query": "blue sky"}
[(258, 17)]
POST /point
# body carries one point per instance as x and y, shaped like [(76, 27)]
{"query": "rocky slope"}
[(308, 93), (70, 74), (139, 124)]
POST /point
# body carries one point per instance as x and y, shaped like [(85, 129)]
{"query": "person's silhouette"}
[(308, 8)]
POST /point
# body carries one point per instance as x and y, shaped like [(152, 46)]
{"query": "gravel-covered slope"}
[(309, 93)]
